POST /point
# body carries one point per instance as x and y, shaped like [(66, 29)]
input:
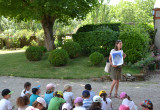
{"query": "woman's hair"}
[(95, 105), (35, 104), (22, 101), (117, 42), (49, 91), (104, 95)]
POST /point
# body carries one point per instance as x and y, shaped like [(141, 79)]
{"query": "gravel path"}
[(138, 91)]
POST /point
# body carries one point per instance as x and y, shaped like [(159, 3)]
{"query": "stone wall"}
[(157, 37)]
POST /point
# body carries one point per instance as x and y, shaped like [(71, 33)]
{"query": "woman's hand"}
[(114, 66)]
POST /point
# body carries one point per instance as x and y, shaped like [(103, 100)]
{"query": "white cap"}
[(42, 101), (66, 106), (50, 85), (96, 98)]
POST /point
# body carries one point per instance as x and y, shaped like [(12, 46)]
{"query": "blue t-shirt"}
[(48, 97), (33, 98), (92, 94)]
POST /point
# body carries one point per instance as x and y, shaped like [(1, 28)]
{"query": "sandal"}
[(116, 96), (110, 95)]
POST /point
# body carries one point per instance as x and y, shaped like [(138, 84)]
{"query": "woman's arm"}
[(124, 55), (110, 61)]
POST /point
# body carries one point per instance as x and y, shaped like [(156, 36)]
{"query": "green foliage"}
[(58, 57), (135, 42), (73, 49), (100, 40), (34, 53), (44, 49), (96, 58)]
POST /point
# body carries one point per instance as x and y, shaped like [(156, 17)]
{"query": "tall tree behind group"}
[(47, 11)]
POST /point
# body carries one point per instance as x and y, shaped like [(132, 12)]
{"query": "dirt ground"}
[(138, 91)]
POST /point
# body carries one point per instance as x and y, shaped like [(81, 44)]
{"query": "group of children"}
[(65, 100)]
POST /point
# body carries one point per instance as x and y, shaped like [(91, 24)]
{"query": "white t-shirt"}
[(108, 105), (5, 104), (68, 97), (130, 104), (79, 108), (23, 108), (113, 50), (23, 94)]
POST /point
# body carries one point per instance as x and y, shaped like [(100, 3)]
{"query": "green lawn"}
[(15, 64)]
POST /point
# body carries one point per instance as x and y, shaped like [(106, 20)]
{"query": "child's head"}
[(86, 94), (59, 94), (39, 103), (147, 105), (124, 107), (22, 101), (68, 88), (66, 106), (103, 95), (6, 93), (88, 87), (50, 88), (96, 104), (27, 86), (118, 45), (78, 101), (36, 90), (124, 95)]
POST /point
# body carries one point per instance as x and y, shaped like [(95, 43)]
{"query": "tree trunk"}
[(47, 24)]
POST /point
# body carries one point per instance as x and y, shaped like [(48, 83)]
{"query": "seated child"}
[(66, 106), (49, 92), (39, 104), (26, 89), (36, 91), (79, 104), (127, 101), (87, 102), (56, 101), (96, 104), (89, 88), (68, 94), (124, 107), (106, 102), (22, 102), (5, 104), (147, 105)]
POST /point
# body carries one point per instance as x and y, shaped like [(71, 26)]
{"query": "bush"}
[(135, 42), (58, 57), (100, 40), (73, 49), (44, 49), (96, 58), (34, 53)]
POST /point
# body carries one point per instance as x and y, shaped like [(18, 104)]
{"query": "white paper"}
[(117, 58)]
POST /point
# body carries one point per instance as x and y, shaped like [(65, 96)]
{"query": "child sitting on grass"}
[(56, 101), (87, 102), (89, 88), (36, 91), (106, 102), (49, 92), (147, 105), (25, 91), (68, 94), (22, 102), (96, 104), (127, 101), (79, 104), (5, 104)]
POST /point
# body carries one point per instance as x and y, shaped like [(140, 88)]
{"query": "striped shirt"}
[(87, 103)]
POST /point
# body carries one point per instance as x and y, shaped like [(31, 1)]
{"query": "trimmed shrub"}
[(96, 58), (34, 53), (58, 57), (135, 42), (44, 49), (101, 41), (73, 49)]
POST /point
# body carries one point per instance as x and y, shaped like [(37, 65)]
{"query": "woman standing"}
[(115, 70)]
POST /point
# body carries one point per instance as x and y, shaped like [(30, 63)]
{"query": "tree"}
[(47, 12)]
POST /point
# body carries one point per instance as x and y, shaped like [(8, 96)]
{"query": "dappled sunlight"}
[(10, 51)]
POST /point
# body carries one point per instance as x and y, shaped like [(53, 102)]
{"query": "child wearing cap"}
[(124, 107), (127, 101), (79, 104), (22, 102), (106, 102), (89, 88), (49, 92), (36, 91), (68, 94), (96, 104), (5, 104), (147, 105), (56, 101), (66, 106), (87, 102), (25, 91)]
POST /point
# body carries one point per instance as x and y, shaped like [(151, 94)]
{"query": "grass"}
[(15, 64)]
